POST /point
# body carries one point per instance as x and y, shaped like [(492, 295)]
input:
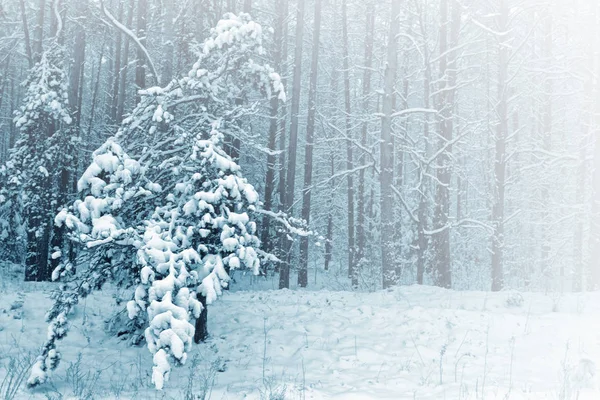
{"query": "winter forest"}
[(292, 199)]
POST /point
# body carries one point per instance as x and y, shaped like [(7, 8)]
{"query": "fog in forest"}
[(175, 156)]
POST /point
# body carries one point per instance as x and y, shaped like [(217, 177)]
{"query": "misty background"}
[(447, 142)]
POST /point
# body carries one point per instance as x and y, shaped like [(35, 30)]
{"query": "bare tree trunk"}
[(387, 153), (26, 34), (500, 157), (580, 195), (247, 6), (123, 92), (329, 233), (547, 145), (284, 275), (308, 149), (140, 70), (282, 241), (169, 44), (39, 32), (77, 68), (352, 272), (360, 217), (423, 188), (442, 259), (273, 126), (117, 68)]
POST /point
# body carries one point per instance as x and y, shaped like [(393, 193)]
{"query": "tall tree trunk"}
[(273, 126), (423, 187), (500, 157), (442, 259), (123, 84), (352, 272), (247, 6), (360, 216), (117, 68), (387, 153), (578, 275), (284, 275), (39, 31), (140, 70), (284, 11), (309, 145), (77, 68), (329, 233), (547, 146), (169, 44), (28, 50)]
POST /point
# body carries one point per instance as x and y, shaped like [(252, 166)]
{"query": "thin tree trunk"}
[(273, 125), (329, 233), (77, 67), (308, 149), (282, 241), (117, 68), (284, 275), (352, 271), (123, 92), (140, 70), (547, 146), (28, 50), (442, 261), (39, 32), (169, 44), (500, 157), (387, 153), (360, 216)]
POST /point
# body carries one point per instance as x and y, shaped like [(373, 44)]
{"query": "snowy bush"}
[(514, 300), (162, 208)]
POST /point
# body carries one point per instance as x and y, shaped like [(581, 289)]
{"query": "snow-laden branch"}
[(281, 217), (133, 37), (59, 22), (414, 111)]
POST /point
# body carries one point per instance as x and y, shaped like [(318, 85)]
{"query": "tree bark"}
[(284, 275), (273, 126), (387, 154), (117, 69), (442, 261), (201, 331), (500, 157), (366, 89), (140, 70), (123, 92), (28, 50), (309, 145), (352, 271), (39, 31)]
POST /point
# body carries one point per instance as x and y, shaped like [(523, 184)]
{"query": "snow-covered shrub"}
[(514, 300), (162, 208)]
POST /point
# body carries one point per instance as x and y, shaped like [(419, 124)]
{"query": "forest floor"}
[(407, 343)]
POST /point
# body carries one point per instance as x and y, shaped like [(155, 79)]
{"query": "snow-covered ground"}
[(407, 343)]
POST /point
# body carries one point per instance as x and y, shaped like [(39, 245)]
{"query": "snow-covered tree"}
[(40, 156), (164, 187)]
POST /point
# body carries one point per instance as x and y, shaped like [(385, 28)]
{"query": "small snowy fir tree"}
[(164, 187)]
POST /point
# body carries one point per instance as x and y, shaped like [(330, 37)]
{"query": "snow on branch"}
[(133, 37)]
